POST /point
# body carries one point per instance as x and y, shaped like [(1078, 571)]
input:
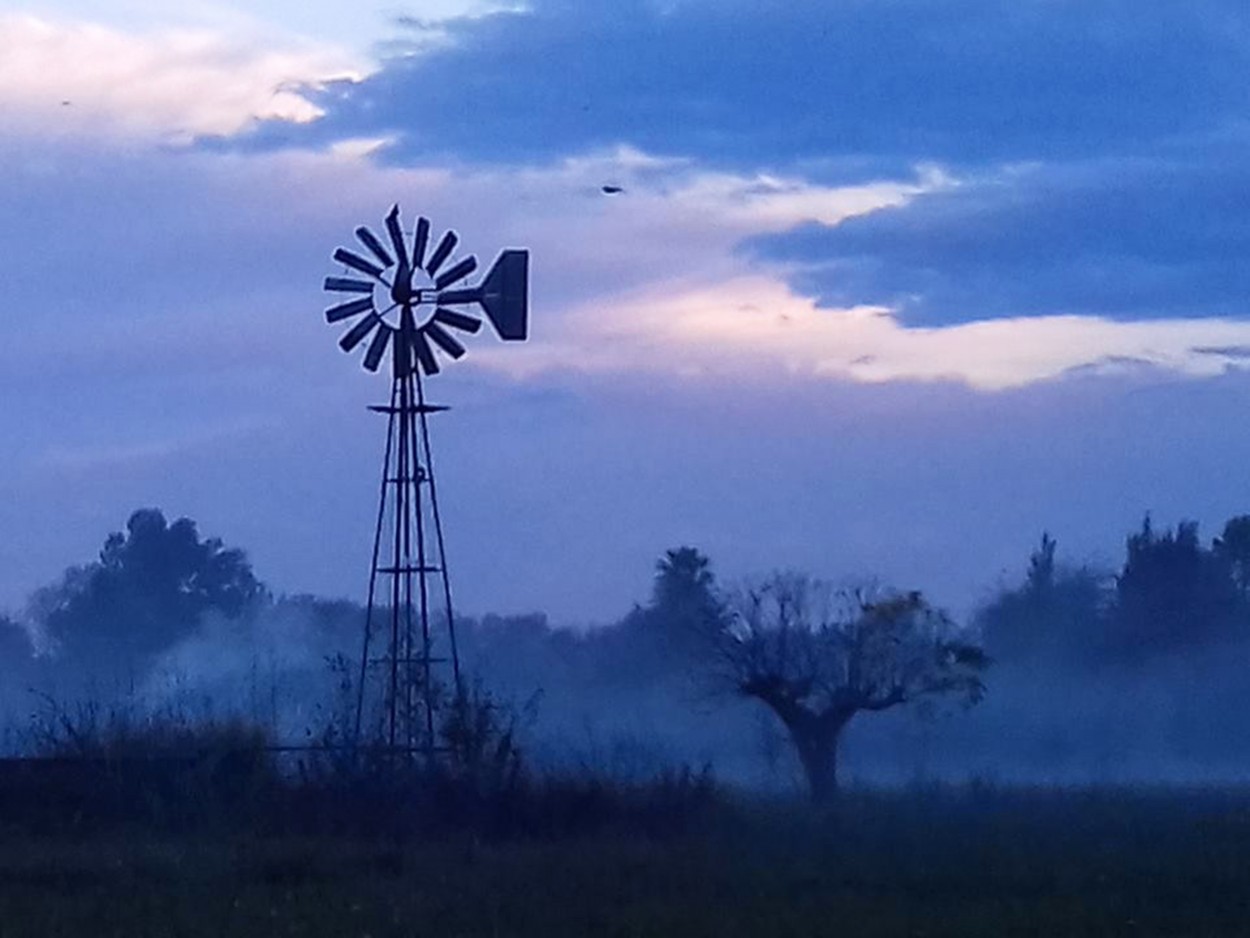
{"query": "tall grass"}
[(90, 769)]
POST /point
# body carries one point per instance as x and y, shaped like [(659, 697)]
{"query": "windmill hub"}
[(413, 289), (415, 294)]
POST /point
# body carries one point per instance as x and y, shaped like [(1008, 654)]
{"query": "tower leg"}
[(401, 690)]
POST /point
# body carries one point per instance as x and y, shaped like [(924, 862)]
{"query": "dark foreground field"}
[(923, 863)]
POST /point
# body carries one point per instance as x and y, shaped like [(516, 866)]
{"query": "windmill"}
[(407, 296)]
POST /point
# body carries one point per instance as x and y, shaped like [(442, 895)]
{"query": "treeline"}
[(1173, 595), (1095, 673), (167, 619), (153, 586)]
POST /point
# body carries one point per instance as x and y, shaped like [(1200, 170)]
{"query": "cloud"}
[(67, 78), (838, 86), (1086, 158), (647, 282), (757, 331), (213, 263), (1130, 238)]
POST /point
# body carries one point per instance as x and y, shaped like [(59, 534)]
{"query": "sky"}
[(891, 286)]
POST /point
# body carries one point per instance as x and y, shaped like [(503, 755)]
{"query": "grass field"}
[(929, 863)]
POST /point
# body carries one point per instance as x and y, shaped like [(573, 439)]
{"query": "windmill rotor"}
[(397, 297)]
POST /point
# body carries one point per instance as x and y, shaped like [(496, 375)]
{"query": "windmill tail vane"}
[(406, 294)]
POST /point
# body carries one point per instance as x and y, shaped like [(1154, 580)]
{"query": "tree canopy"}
[(684, 602), (148, 589), (15, 644), (817, 657), (1172, 594), (1056, 615)]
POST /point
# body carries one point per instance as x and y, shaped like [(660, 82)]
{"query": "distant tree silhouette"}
[(147, 591), (664, 637), (1057, 615), (1233, 549), (1173, 594), (817, 658), (1040, 579), (17, 655), (524, 647), (683, 578), (684, 605)]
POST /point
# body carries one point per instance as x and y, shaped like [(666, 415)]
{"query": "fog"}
[(1086, 685)]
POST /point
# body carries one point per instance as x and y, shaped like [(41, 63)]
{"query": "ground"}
[(929, 863)]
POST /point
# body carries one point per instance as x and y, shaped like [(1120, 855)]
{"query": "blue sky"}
[(893, 285)]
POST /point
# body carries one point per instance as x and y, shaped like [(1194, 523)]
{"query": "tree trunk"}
[(817, 743)]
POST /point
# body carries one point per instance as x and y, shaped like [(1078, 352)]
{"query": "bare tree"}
[(817, 657)]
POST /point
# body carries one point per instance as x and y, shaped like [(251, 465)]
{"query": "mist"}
[(1126, 676)]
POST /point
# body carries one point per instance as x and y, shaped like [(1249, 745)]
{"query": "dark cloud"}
[(763, 84), (1128, 214), (1124, 239), (1224, 351)]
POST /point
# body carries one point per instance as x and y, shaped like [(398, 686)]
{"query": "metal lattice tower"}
[(407, 299)]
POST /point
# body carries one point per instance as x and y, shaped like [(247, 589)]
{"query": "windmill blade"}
[(441, 253), (377, 348), (369, 240), (351, 259), (348, 285), (358, 332), (449, 317), (348, 310), (444, 339), (459, 272), (420, 243), (425, 355), (397, 240)]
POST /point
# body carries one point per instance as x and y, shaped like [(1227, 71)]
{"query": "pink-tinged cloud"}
[(63, 78)]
